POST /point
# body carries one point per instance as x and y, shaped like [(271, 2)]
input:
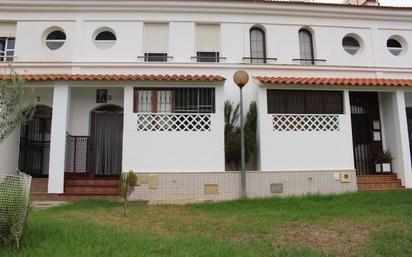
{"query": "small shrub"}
[(128, 182)]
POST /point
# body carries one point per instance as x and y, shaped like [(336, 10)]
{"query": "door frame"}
[(26, 160), (108, 109), (369, 107)]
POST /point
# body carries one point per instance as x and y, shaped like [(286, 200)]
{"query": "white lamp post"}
[(241, 78)]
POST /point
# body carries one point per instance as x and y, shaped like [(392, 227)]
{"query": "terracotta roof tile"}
[(118, 77), (336, 81)]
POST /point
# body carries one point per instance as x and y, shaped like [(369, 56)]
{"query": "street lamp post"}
[(241, 78)]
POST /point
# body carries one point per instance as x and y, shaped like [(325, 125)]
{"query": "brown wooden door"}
[(365, 122)]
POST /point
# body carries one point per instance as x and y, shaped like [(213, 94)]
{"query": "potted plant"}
[(383, 161)]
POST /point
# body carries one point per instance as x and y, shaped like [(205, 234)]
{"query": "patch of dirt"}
[(339, 238)]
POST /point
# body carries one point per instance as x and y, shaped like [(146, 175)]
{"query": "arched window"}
[(306, 47), (257, 45)]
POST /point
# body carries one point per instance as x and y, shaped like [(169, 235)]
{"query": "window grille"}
[(179, 100), (7, 45), (207, 57), (155, 57)]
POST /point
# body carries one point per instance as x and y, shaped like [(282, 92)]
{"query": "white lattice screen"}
[(173, 122), (305, 122)]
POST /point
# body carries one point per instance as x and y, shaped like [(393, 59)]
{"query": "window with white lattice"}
[(174, 100)]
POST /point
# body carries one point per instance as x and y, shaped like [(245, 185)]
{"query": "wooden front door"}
[(366, 131), (106, 140)]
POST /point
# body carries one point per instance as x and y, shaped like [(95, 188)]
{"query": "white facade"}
[(30, 22)]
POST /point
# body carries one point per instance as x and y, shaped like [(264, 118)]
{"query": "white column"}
[(61, 95), (348, 127), (403, 158), (129, 128)]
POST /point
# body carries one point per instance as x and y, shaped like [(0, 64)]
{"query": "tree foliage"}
[(232, 134), (13, 111)]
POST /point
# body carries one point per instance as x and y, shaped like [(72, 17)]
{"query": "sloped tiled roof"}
[(336, 81), (118, 77)]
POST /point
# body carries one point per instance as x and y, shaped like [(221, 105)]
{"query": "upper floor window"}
[(307, 55), (55, 39), (351, 45), (174, 100), (208, 43), (257, 45), (304, 102), (105, 39), (7, 49), (156, 42), (396, 45)]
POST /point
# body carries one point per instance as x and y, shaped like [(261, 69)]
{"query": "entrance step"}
[(70, 197), (91, 186), (76, 189), (379, 182), (39, 185)]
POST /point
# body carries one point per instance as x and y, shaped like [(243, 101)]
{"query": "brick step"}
[(43, 197), (70, 197), (383, 185), (38, 189), (39, 181), (74, 197), (376, 178), (91, 190), (91, 182)]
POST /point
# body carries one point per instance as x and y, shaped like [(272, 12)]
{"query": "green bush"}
[(128, 182)]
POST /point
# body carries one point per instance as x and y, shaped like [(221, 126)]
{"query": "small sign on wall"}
[(101, 96)]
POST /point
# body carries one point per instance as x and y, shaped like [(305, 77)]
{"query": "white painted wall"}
[(304, 150), (9, 148), (9, 153), (173, 151), (395, 133), (83, 101), (281, 33)]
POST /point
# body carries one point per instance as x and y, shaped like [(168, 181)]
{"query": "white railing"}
[(305, 122), (173, 122)]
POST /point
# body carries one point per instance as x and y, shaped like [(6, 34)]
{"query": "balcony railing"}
[(77, 148)]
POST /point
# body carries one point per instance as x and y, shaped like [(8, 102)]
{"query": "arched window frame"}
[(303, 60), (253, 60)]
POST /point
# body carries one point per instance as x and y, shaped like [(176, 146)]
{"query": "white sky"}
[(382, 2)]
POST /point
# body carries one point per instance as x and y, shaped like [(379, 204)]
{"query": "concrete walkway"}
[(40, 205)]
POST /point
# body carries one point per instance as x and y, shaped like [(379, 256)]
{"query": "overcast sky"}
[(382, 2)]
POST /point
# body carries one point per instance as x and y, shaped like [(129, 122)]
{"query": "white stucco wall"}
[(166, 151), (395, 133), (83, 101), (304, 150), (9, 148), (9, 157)]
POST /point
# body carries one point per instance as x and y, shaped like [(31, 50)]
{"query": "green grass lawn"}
[(354, 224)]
